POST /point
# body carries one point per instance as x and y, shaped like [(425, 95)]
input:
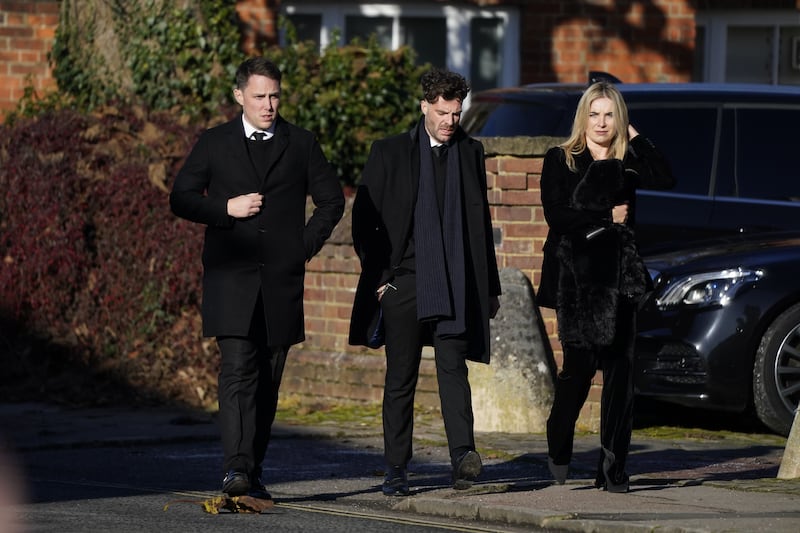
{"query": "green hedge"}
[(184, 60)]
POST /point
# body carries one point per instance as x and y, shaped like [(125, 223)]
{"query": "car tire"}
[(776, 372)]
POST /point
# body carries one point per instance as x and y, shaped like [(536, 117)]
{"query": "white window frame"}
[(716, 25), (458, 18)]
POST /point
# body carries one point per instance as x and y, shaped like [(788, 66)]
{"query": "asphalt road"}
[(134, 469), (136, 484)]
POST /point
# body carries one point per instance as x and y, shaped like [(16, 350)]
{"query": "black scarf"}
[(439, 243)]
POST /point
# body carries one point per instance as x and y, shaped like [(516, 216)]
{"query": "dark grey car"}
[(722, 328)]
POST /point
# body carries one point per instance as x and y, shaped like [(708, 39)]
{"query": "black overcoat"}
[(383, 221), (266, 252)]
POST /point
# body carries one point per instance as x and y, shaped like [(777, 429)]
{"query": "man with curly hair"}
[(423, 232)]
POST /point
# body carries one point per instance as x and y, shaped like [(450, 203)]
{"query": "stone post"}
[(790, 464), (513, 394)]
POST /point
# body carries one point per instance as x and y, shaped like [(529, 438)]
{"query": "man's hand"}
[(246, 205)]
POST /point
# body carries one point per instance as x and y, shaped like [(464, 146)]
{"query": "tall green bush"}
[(349, 96), (166, 57), (156, 53)]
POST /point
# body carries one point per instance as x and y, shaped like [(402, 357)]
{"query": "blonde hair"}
[(577, 140)]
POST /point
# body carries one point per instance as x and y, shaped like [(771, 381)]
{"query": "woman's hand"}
[(619, 215)]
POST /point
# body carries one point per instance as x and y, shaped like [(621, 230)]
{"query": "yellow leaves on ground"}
[(235, 504)]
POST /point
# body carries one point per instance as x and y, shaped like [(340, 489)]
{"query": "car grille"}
[(673, 362)]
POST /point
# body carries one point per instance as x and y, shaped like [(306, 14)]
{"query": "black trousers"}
[(249, 380), (616, 403), (405, 337)]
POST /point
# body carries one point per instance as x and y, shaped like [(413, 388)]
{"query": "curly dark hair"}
[(439, 82)]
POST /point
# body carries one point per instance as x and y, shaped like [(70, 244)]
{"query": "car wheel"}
[(776, 373)]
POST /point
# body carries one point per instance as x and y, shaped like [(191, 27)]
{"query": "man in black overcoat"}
[(423, 232), (247, 181)]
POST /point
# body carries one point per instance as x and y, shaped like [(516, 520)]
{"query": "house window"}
[(427, 36), (749, 47), (362, 27), (789, 55), (480, 43), (487, 50), (698, 68), (748, 55), (307, 27)]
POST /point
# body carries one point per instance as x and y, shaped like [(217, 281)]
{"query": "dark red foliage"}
[(93, 261)]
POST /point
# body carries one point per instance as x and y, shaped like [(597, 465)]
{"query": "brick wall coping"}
[(521, 146)]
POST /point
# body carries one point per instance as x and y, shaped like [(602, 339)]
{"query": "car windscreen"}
[(509, 119)]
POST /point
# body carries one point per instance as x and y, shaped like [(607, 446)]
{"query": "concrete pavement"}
[(699, 482)]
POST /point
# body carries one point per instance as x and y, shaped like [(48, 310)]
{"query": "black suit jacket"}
[(383, 221), (266, 252)]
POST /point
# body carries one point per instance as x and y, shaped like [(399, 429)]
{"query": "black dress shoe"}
[(559, 472), (611, 479), (258, 490), (395, 483), (466, 470), (235, 483)]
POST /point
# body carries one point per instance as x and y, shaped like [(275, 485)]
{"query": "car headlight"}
[(706, 288)]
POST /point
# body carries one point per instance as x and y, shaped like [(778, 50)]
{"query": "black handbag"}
[(376, 332)]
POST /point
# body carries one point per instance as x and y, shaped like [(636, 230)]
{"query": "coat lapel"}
[(281, 142)]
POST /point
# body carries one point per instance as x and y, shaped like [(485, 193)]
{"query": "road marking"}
[(294, 506), (396, 520)]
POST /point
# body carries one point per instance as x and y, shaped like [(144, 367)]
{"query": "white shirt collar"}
[(249, 129)]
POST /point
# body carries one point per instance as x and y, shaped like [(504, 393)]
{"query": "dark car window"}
[(681, 134), (766, 147), (490, 119)]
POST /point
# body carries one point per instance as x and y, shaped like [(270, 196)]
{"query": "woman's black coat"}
[(647, 168)]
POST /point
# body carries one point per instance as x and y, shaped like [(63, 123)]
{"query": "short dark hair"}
[(439, 82), (256, 66)]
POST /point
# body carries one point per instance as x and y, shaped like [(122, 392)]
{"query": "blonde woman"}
[(592, 274)]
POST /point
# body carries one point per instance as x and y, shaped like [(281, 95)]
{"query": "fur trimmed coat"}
[(600, 267), (590, 264)]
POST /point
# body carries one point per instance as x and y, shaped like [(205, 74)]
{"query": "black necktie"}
[(258, 135), (439, 150)]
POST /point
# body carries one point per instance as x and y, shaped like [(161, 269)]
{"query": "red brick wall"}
[(27, 30), (636, 41)]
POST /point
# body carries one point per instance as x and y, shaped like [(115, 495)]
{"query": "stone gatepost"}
[(514, 393)]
